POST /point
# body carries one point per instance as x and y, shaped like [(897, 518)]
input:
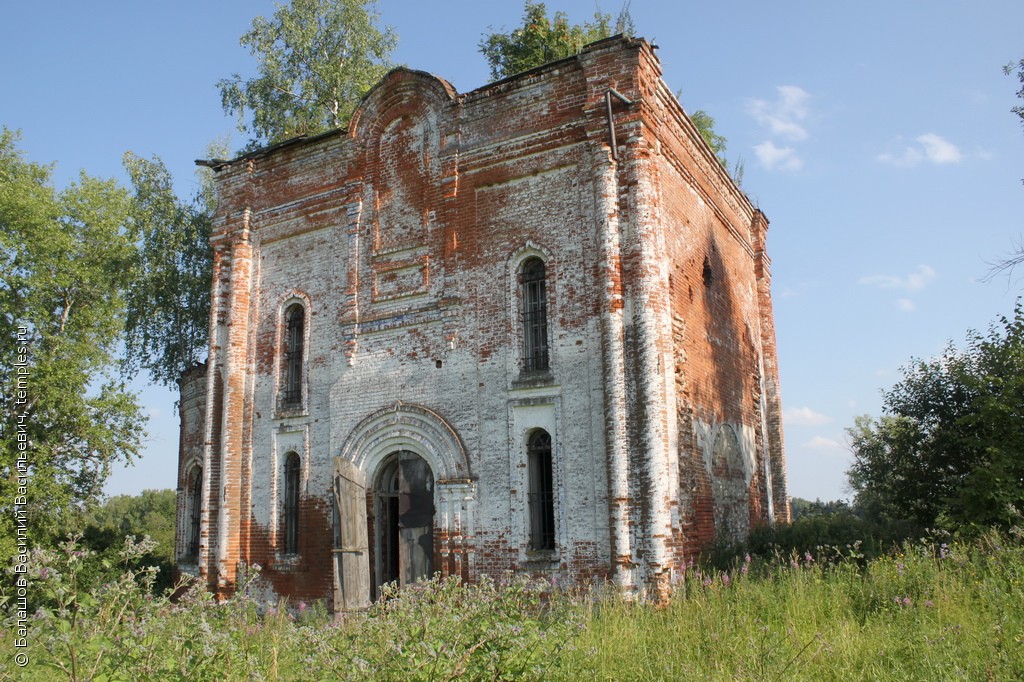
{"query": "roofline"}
[(220, 164)]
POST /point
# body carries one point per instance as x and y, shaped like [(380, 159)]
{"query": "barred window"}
[(291, 503), (295, 318), (193, 502), (542, 493), (535, 315)]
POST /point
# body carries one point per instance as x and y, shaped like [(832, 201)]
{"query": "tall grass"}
[(926, 612)]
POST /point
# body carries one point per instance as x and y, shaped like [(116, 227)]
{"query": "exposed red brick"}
[(401, 237)]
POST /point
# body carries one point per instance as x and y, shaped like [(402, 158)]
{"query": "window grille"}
[(195, 497), (291, 504), (535, 316), (541, 492), (293, 357)]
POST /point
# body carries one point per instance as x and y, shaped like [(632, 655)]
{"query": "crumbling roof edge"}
[(626, 41)]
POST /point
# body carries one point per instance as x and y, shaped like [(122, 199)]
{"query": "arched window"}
[(535, 315), (194, 509), (294, 338), (291, 503), (542, 492)]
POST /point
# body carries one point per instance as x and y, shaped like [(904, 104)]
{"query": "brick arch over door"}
[(407, 427)]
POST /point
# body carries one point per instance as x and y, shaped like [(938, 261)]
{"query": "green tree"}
[(705, 125), (541, 39), (949, 449), (317, 58), (1009, 263), (65, 259), (801, 508), (1009, 70), (150, 514), (168, 305)]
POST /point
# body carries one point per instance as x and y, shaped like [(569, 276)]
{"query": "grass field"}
[(928, 612)]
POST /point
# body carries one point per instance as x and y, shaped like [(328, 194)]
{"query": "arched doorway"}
[(403, 519), (729, 487)]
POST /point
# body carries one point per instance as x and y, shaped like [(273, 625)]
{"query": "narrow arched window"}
[(542, 492), (291, 503), (294, 338), (535, 315), (194, 508)]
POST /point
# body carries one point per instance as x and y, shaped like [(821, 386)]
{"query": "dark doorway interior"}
[(404, 513)]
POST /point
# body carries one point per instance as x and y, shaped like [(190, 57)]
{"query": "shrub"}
[(831, 537), (434, 630)]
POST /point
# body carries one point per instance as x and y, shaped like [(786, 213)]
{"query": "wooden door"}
[(351, 553)]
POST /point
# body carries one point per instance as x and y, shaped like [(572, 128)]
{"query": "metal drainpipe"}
[(612, 92)]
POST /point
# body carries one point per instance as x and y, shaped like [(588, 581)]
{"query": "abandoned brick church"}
[(527, 328)]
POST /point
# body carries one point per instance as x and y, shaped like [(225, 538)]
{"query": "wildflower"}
[(906, 601), (726, 579), (899, 568), (808, 558), (943, 550), (928, 603)]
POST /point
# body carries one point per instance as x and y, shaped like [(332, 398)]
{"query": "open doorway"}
[(404, 519)]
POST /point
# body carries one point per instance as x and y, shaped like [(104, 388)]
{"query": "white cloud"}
[(930, 147), (905, 304), (772, 157), (803, 416), (783, 117), (915, 281), (826, 445)]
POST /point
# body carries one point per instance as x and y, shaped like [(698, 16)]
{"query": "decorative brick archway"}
[(407, 427)]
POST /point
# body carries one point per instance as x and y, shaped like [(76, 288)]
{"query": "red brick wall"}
[(401, 237)]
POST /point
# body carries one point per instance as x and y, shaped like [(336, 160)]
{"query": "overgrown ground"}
[(929, 612)]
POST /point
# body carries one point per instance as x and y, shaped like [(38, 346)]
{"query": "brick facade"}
[(402, 241)]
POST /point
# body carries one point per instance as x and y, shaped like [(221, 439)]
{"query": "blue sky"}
[(876, 136)]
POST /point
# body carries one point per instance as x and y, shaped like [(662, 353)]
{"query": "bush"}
[(434, 630), (834, 536)]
